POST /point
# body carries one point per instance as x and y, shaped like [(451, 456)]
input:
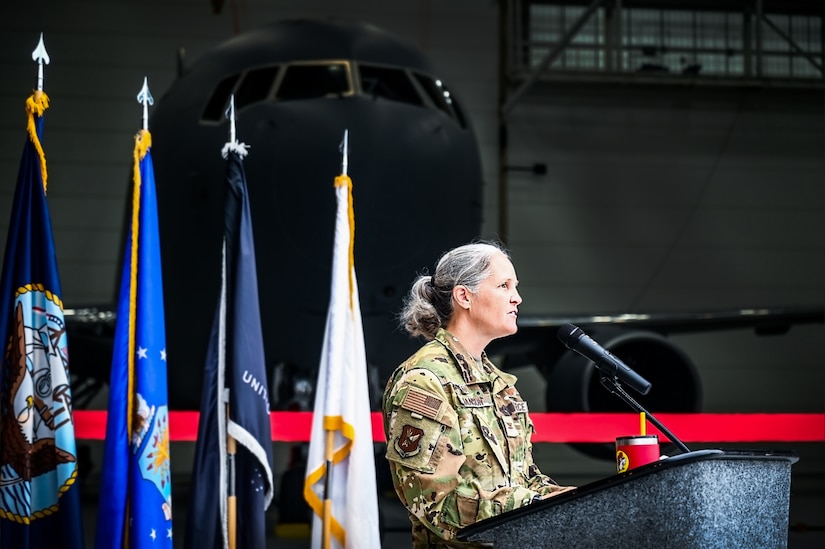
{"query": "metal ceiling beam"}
[(551, 56), (782, 34)]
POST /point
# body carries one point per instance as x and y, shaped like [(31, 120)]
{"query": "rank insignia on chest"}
[(408, 442), (510, 427)]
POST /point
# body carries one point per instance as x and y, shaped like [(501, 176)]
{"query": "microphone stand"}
[(613, 386)]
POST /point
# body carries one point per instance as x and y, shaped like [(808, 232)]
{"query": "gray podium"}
[(702, 499)]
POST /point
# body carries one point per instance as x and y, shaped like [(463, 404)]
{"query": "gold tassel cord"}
[(143, 140), (37, 105)]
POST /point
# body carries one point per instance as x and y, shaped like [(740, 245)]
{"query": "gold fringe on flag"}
[(37, 105), (143, 140)]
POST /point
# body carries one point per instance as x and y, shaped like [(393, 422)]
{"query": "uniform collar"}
[(472, 371)]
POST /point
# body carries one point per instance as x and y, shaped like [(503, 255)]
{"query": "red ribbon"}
[(550, 427)]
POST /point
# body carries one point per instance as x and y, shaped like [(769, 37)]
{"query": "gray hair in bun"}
[(429, 304)]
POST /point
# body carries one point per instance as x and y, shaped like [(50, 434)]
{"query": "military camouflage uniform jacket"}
[(458, 442)]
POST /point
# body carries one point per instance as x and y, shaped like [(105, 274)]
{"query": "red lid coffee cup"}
[(635, 451)]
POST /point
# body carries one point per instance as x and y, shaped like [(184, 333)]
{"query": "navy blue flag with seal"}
[(232, 474), (135, 507), (39, 491)]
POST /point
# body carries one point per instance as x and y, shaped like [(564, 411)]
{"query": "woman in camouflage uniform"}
[(458, 432)]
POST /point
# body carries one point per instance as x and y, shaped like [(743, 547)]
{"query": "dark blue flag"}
[(135, 508), (39, 495), (233, 453)]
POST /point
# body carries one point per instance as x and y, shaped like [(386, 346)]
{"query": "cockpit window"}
[(315, 80), (441, 97), (392, 84), (311, 80), (216, 106), (255, 86)]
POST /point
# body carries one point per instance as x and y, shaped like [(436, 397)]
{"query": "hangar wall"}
[(656, 197)]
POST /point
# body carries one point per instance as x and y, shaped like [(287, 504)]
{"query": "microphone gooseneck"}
[(576, 340), (613, 370)]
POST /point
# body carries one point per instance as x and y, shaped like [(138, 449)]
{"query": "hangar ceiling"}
[(671, 42)]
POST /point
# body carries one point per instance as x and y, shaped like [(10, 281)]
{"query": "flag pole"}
[(328, 457), (231, 448), (41, 56), (145, 98), (329, 444), (37, 105), (231, 498)]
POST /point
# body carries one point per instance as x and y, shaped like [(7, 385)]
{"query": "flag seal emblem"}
[(36, 408), (154, 460)]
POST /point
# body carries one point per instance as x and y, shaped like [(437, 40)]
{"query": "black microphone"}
[(575, 339)]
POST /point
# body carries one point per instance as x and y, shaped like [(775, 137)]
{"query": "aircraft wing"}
[(641, 341), (765, 321)]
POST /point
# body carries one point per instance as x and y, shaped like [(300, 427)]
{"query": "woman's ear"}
[(461, 296)]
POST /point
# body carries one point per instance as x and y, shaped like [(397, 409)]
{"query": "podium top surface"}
[(628, 476)]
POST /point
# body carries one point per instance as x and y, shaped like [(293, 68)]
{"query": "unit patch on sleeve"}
[(408, 442)]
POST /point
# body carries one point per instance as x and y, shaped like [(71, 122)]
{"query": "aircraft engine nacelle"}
[(573, 383)]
